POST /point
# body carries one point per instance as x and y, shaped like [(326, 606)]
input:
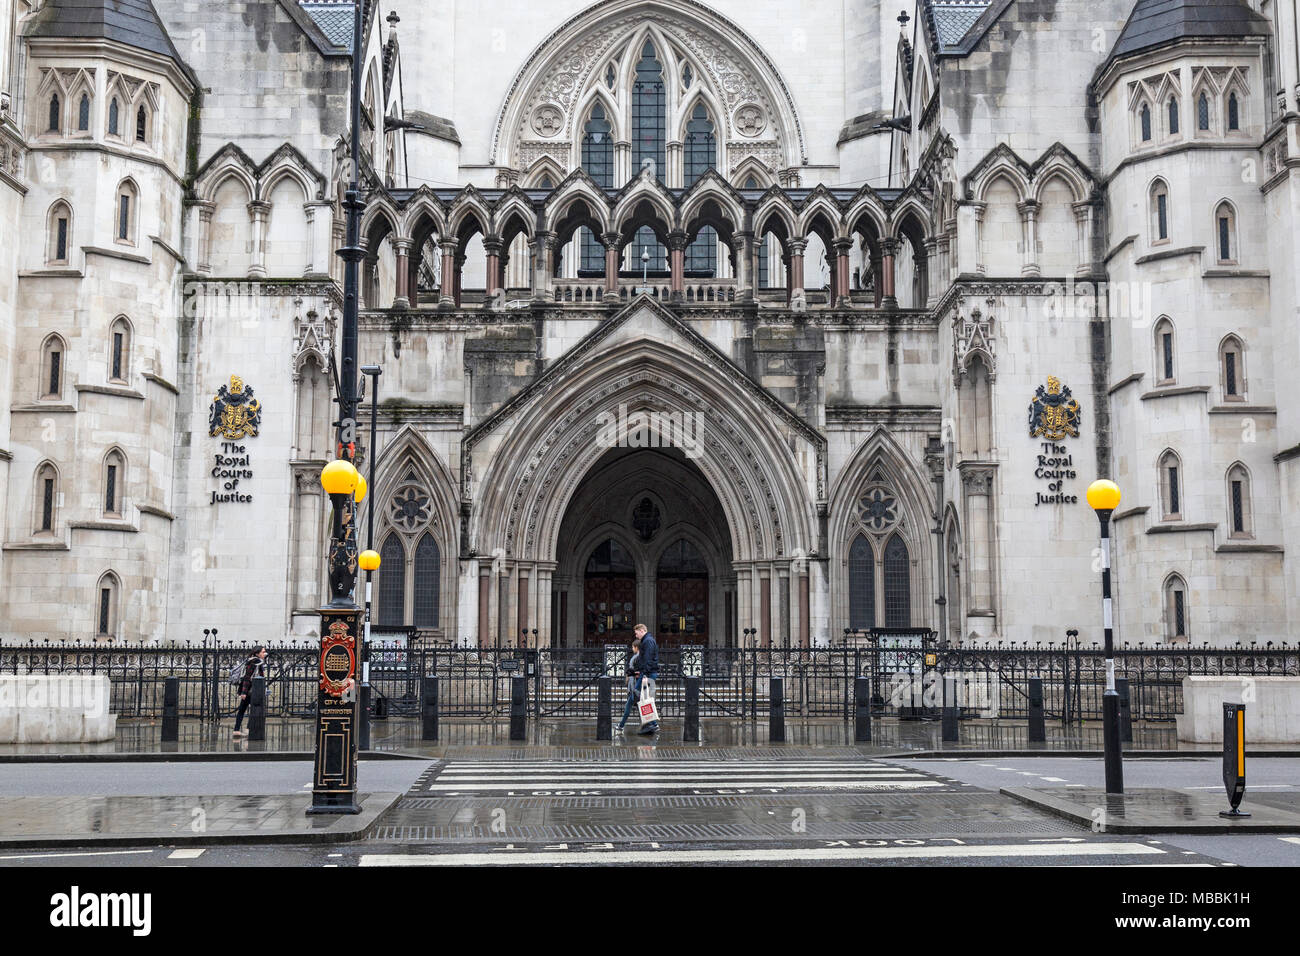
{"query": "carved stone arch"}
[(776, 204), (1060, 165), (678, 118), (407, 453), (513, 204), (544, 167), (908, 208), (616, 116), (287, 161), (1002, 163), (712, 187), (577, 186), (566, 64), (380, 210), (644, 189), (229, 162), (820, 204), (423, 203), (866, 214), (752, 166), (469, 204)]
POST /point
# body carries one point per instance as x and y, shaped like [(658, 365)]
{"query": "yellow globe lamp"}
[(368, 560), (339, 477), (1103, 495), (360, 493)]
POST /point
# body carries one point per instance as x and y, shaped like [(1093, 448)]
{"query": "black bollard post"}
[(691, 725), (604, 708), (1037, 724), (949, 719), (363, 734), (171, 719), (1125, 710), (862, 709), (257, 709), (776, 710), (519, 708), (429, 708), (1234, 757)]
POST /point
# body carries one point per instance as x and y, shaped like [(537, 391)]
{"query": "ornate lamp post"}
[(1103, 497), (368, 560), (334, 784)]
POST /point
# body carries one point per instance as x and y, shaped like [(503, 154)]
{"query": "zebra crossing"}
[(511, 778)]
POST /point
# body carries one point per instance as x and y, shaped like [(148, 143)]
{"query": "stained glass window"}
[(700, 155), (598, 161), (862, 585), (428, 563), (649, 119), (898, 594), (392, 581)]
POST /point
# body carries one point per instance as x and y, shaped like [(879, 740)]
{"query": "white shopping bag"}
[(649, 712)]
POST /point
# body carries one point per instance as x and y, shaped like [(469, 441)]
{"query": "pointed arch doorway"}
[(682, 595), (608, 595)]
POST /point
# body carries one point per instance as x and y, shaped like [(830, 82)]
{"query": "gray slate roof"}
[(1156, 22), (954, 18), (334, 17), (131, 22)]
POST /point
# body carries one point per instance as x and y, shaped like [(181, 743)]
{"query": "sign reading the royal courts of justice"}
[(1054, 416), (234, 415)]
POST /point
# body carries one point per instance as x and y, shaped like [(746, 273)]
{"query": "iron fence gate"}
[(906, 677)]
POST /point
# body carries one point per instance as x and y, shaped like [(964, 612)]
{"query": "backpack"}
[(236, 675)]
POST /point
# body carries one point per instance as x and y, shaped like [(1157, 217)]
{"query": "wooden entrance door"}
[(609, 596), (682, 596)]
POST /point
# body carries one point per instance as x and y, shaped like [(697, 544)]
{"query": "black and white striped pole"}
[(1103, 497)]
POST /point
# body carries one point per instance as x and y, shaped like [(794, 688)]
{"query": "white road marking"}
[(1055, 779), (816, 854), (467, 787), (1289, 839), (186, 854), (44, 856)]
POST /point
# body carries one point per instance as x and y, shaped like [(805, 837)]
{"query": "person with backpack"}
[(633, 685), (253, 667)]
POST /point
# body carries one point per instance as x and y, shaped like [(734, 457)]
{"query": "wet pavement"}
[(1162, 810)]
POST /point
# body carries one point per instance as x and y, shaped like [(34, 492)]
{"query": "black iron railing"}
[(906, 676)]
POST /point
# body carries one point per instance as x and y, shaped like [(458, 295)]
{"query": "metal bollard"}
[(429, 708), (257, 709), (171, 719), (1125, 710), (862, 709), (691, 725), (776, 710), (363, 717), (949, 719), (604, 708), (1234, 758), (1037, 719), (519, 708)]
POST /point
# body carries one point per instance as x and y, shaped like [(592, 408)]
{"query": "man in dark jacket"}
[(253, 667), (649, 667)]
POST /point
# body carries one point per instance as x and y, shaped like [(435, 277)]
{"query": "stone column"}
[(765, 608), (945, 263), (805, 610), (977, 487), (258, 212), (840, 294), (877, 280), (492, 280), (338, 233), (1083, 227), (402, 296), (457, 275), (622, 161), (318, 235), (543, 249), (611, 241), (677, 263), (673, 177), (484, 608), (970, 232), (204, 264), (794, 281), (931, 272), (740, 245), (888, 250), (446, 286), (1029, 231)]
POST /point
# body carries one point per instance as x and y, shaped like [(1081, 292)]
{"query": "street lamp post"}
[(368, 560), (1103, 497), (334, 782)]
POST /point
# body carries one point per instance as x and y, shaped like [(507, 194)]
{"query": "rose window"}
[(878, 509), (410, 507)]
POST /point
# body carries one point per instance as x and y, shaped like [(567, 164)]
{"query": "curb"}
[(374, 806)]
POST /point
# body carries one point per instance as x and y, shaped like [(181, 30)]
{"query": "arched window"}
[(898, 591), (1164, 352), (428, 565), (141, 124), (114, 117), (1171, 497), (124, 226), (114, 483), (1175, 608), (1234, 112), (47, 490), (119, 350), (1159, 212), (1144, 121), (56, 112), (649, 121), (1172, 112), (51, 383), (700, 155), (598, 161), (83, 114), (1239, 512), (862, 585), (60, 234), (392, 581), (1225, 233), (106, 601), (1203, 112), (1232, 369)]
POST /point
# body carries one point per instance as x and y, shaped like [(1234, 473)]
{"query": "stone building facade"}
[(692, 314)]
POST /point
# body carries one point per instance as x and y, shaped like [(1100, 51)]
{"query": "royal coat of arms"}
[(1054, 412), (235, 413)]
